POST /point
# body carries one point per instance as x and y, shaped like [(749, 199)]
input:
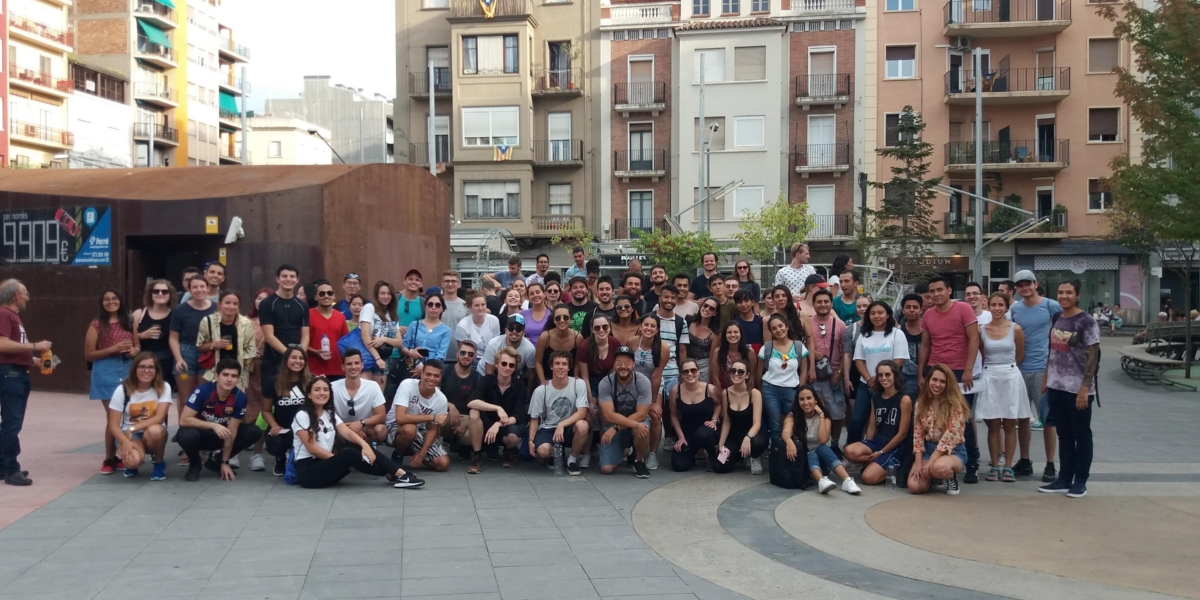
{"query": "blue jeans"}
[(777, 402), (862, 411), (823, 458), (14, 396)]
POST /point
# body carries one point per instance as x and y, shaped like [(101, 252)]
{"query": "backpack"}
[(789, 474)]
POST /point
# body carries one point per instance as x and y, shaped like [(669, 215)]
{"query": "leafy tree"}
[(903, 226), (778, 225), (1158, 197), (678, 253), (573, 234)]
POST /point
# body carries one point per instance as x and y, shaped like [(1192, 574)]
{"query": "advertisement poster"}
[(70, 235)]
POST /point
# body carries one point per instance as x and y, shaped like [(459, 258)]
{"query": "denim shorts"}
[(889, 458), (613, 452), (191, 357), (959, 451)]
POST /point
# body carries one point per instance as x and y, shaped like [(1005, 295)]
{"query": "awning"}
[(229, 104), (166, 3), (154, 34)]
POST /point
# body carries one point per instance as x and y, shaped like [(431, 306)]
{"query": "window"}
[(437, 3), (490, 126), (1099, 196), (511, 53), (747, 200), (560, 198), (492, 199), (1103, 55), (470, 54), (641, 146), (748, 132), (1103, 124), (559, 128), (438, 57), (490, 55), (716, 207), (901, 62), (618, 36), (731, 7), (274, 149), (893, 5), (761, 6), (749, 63), (714, 65), (700, 7), (716, 139), (441, 138), (982, 5), (641, 211), (892, 137)]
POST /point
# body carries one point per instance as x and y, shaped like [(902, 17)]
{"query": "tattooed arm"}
[(1089, 375)]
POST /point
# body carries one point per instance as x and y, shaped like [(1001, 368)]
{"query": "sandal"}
[(993, 474), (1009, 476)]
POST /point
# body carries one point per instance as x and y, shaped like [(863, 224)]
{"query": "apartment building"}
[(515, 114), (287, 140), (39, 39), (359, 125), (1050, 125), (99, 119), (4, 153)]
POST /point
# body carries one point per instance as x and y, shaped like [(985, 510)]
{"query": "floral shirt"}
[(925, 428)]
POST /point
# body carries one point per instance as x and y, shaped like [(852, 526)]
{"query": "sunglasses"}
[(562, 318), (324, 294), (737, 372), (624, 307), (600, 328), (742, 267), (689, 371), (508, 365), (160, 292), (147, 368), (350, 405), (433, 305), (465, 353), (708, 306), (512, 328)]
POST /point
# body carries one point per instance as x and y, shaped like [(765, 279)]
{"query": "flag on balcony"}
[(500, 153), (489, 8)]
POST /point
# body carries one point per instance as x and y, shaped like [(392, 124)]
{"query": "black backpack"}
[(789, 474)]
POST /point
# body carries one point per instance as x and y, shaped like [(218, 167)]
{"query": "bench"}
[(1140, 364)]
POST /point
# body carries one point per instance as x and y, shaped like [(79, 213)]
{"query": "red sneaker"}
[(120, 464), (107, 467)]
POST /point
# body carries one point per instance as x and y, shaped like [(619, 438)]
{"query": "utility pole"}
[(361, 159), (430, 138), (701, 189), (245, 153), (978, 270), (150, 148)]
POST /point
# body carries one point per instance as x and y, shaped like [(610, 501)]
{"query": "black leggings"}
[(321, 473), (278, 445), (758, 444), (700, 438), (192, 440)]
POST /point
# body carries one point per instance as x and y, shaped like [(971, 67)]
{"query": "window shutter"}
[(505, 122), (1102, 123), (750, 63), (560, 126), (439, 57), (901, 53), (1103, 55), (476, 124)]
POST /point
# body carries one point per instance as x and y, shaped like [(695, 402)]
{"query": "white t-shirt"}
[(409, 396), (982, 319), (794, 278), (526, 350), (776, 373), (326, 431), (377, 326), (481, 335), (141, 406), (456, 310), (368, 397), (879, 347), (552, 406)]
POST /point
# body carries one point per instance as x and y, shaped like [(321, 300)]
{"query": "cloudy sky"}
[(352, 41)]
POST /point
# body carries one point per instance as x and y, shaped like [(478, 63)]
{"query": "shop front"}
[(955, 268), (1106, 273)]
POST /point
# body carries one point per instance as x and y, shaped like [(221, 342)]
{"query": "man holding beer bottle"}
[(16, 356)]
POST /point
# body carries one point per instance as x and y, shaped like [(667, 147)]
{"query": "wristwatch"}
[(224, 462)]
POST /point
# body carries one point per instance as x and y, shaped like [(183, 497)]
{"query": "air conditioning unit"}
[(960, 42)]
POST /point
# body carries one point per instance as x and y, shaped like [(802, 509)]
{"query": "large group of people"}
[(719, 371)]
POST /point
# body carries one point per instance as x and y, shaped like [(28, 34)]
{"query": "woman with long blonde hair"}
[(939, 424)]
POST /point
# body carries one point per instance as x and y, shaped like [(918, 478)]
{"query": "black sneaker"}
[(573, 467), (193, 473), (1023, 468), (1077, 490), (1055, 487), (1049, 475), (629, 460), (408, 480), (213, 463), (280, 467), (972, 476), (18, 478), (642, 471), (952, 485)]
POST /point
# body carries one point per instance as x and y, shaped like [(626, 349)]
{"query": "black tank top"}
[(161, 346), (740, 421), (549, 354), (694, 415), (887, 415)]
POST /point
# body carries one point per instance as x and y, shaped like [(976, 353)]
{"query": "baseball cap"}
[(816, 280), (625, 351), (354, 276), (515, 321), (436, 289), (577, 279), (1024, 276), (413, 272)]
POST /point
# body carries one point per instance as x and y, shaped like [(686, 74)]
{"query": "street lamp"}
[(322, 138)]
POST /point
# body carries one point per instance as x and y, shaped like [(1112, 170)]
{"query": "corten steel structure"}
[(376, 220)]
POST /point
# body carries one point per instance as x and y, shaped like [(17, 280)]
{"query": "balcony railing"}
[(57, 36), (810, 7), (41, 132), (1014, 152), (641, 94), (997, 221), (558, 81), (228, 45), (145, 46), (968, 12), (639, 15), (65, 86), (236, 154), (640, 162), (155, 8), (823, 85), (553, 223), (558, 152), (161, 132), (418, 154), (418, 82), (226, 115), (236, 83), (1040, 79), (819, 156), (626, 229), (832, 226), (467, 9), (156, 90)]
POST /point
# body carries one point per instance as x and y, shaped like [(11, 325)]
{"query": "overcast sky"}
[(352, 41)]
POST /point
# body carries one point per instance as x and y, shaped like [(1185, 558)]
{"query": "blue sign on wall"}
[(71, 235)]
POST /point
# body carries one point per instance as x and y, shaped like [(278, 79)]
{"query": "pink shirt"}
[(948, 334)]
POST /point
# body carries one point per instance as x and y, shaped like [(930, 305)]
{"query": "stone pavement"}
[(523, 534)]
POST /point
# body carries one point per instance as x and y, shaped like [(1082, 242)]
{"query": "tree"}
[(903, 226), (678, 253), (777, 226), (573, 234), (1158, 197)]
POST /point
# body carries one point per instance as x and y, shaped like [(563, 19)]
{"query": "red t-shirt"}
[(584, 352), (334, 327), (948, 334), (11, 328)]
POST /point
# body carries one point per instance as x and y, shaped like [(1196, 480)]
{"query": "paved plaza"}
[(521, 533)]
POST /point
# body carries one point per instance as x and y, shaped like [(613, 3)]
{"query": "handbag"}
[(354, 340), (289, 472), (789, 474), (208, 358)]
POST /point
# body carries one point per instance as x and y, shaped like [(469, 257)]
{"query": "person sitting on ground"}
[(741, 423), (495, 406), (694, 415), (808, 425), (316, 425), (285, 399), (939, 442), (886, 431), (558, 414), (137, 414), (624, 397), (419, 411), (458, 383), (358, 401), (212, 420)]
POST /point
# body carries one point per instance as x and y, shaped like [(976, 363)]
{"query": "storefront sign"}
[(621, 260), (933, 264), (71, 235), (1079, 265)]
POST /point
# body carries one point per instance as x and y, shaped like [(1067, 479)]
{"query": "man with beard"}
[(632, 284), (604, 299), (624, 411), (581, 308), (658, 278)]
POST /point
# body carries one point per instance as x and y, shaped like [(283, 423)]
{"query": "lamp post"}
[(331, 148)]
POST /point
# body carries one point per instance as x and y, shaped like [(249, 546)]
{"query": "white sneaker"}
[(585, 461), (850, 487), (825, 484), (668, 444), (652, 461), (755, 466), (256, 463), (235, 463)]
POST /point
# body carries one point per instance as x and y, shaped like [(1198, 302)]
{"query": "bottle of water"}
[(558, 460), (892, 471), (325, 343), (376, 450)]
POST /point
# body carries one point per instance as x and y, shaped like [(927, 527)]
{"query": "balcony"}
[(163, 135), (822, 158), (41, 82), (156, 12), (958, 225), (827, 227), (41, 135), (234, 156), (1009, 86), (805, 8), (1011, 155), (34, 32), (558, 153), (156, 94), (1005, 18), (418, 83), (551, 224), (418, 154), (232, 51), (639, 164), (626, 229), (823, 89), (154, 53), (641, 96), (638, 15), (234, 85), (557, 82), (473, 9)]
